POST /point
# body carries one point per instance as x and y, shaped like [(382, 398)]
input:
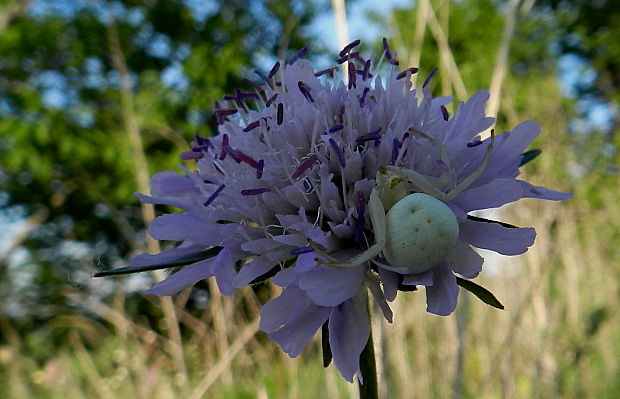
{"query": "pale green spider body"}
[(413, 230)]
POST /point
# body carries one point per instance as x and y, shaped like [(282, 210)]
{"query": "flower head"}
[(340, 189)]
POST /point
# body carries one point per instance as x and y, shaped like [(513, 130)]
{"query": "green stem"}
[(368, 368)]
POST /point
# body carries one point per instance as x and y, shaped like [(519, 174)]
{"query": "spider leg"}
[(469, 180), (421, 181)]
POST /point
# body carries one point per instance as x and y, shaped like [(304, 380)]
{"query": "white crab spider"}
[(417, 230)]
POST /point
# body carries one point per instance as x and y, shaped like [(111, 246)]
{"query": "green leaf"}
[(183, 261), (482, 293), (528, 156)]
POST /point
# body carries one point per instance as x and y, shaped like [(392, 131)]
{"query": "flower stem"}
[(368, 367)]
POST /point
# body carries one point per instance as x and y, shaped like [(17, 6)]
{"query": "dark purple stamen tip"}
[(445, 113), (271, 100), (280, 116), (259, 168), (212, 196), (341, 115), (349, 57), (202, 140), (393, 61), (305, 165), (370, 136), (255, 191), (475, 143), (396, 144), (361, 219), (242, 95), (305, 90), (274, 70), (225, 143), (253, 85), (366, 71), (224, 112), (252, 126), (297, 55), (302, 250), (263, 77), (404, 73), (229, 97), (243, 157), (386, 48), (335, 128), (349, 47), (233, 154), (352, 77), (327, 71), (188, 155), (339, 154), (430, 76), (363, 97)]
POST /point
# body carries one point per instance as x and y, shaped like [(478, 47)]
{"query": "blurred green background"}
[(97, 95)]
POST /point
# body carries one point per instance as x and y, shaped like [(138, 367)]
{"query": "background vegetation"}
[(97, 95)]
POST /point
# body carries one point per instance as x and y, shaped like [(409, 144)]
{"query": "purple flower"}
[(363, 187)]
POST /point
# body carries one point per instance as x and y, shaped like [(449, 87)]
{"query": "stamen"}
[(374, 135), (335, 128), (263, 77), (271, 100), (224, 112), (444, 113), (351, 75), (305, 90), (365, 72), (212, 196), (349, 47), (255, 191), (302, 250), (404, 73), (305, 165), (297, 55), (341, 115), (232, 153), (338, 152), (252, 126), (363, 98), (348, 57), (280, 116), (259, 168), (388, 55), (274, 70), (242, 95), (188, 155), (243, 157), (225, 143), (361, 220), (329, 71), (203, 141), (253, 85), (475, 143), (430, 76), (396, 144)]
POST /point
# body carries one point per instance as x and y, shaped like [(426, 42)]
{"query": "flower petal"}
[(349, 328), (330, 286), (441, 297), (184, 278), (530, 191), (464, 260), (491, 195), (495, 237)]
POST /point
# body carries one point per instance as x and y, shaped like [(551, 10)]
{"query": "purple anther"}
[(255, 191), (430, 76), (243, 157), (339, 154), (336, 128), (363, 97), (233, 154), (201, 148), (328, 71), (187, 155), (253, 85), (263, 77), (302, 250), (280, 116), (366, 71), (445, 113), (271, 100), (298, 54), (348, 57), (242, 95), (361, 220), (475, 143), (225, 144), (229, 97), (388, 54), (406, 71), (352, 78), (202, 140), (274, 70), (252, 126), (305, 90), (396, 144), (259, 168), (212, 196), (224, 112), (341, 115), (393, 61), (349, 47), (305, 165)]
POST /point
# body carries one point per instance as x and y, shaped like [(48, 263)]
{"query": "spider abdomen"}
[(421, 231)]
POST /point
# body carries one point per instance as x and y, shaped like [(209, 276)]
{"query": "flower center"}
[(421, 231)]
